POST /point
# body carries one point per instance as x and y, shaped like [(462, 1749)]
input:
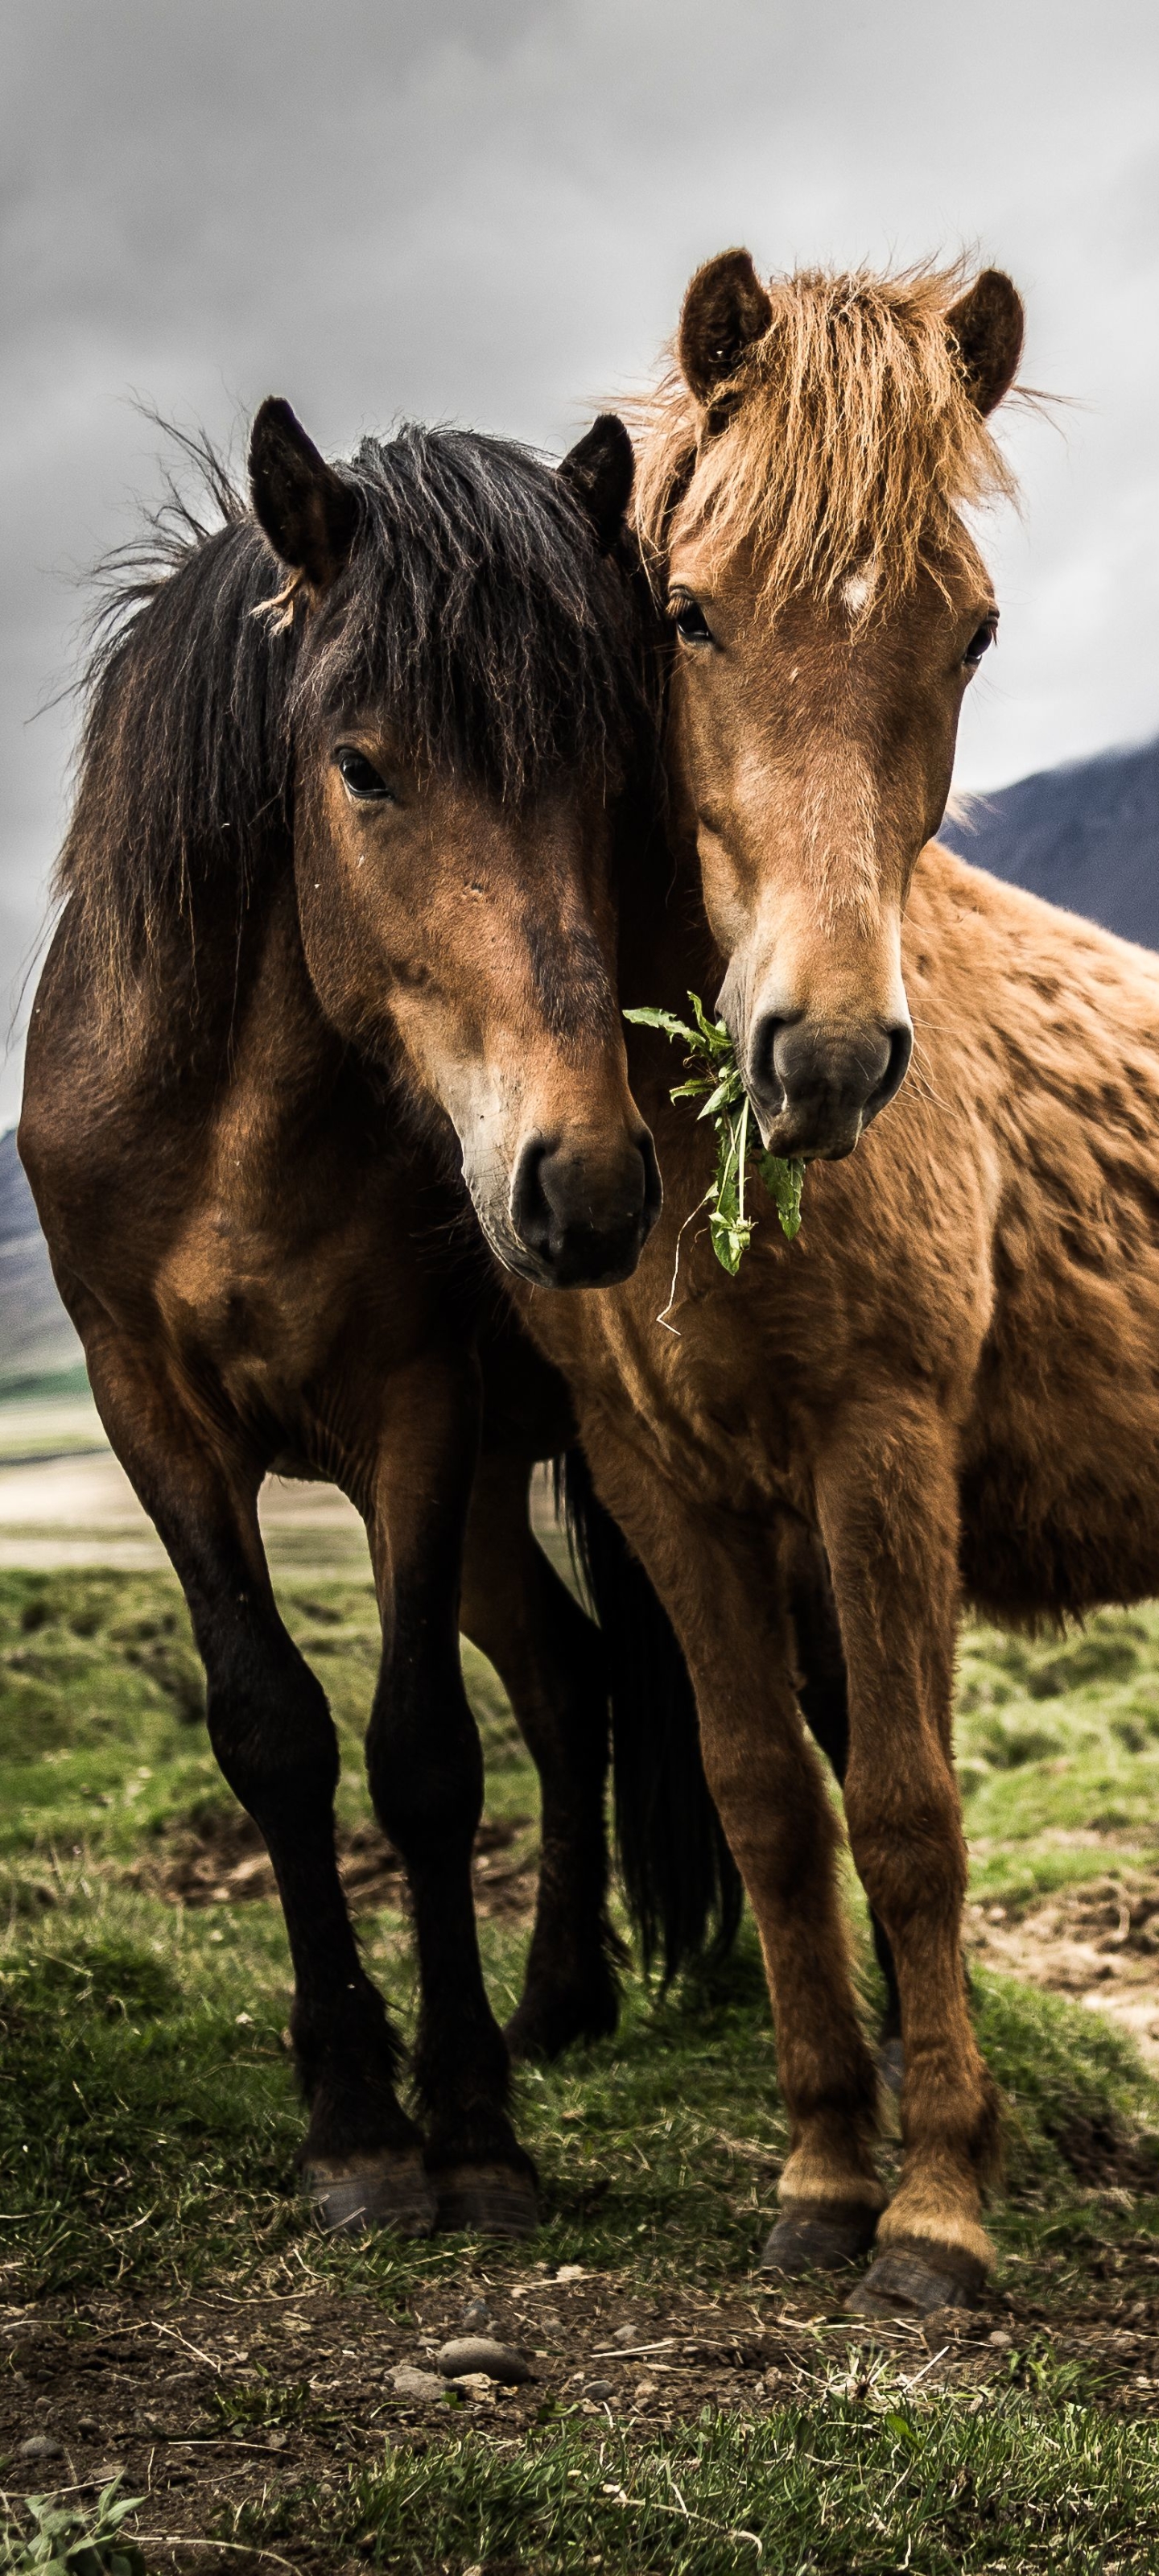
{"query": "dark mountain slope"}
[(1085, 836)]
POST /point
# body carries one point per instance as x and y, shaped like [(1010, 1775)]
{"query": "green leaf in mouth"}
[(715, 1076)]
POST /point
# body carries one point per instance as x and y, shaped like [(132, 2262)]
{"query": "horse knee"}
[(910, 1855), (426, 1784), (271, 1730)]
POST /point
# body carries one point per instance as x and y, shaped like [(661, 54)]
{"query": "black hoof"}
[(891, 2065), (818, 2236), (494, 2200), (356, 2193), (910, 2280)]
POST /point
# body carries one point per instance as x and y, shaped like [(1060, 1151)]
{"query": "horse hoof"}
[(891, 2065), (910, 2280), (358, 2193), (493, 2200), (818, 2236)]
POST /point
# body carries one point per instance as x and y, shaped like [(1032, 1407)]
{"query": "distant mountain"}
[(1086, 837), (36, 1337)]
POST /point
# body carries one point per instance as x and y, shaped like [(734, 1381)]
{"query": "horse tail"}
[(682, 1884)]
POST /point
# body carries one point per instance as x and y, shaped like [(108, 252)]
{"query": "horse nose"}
[(818, 1086), (585, 1217)]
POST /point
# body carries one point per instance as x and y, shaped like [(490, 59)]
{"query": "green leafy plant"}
[(715, 1076), (68, 2540)]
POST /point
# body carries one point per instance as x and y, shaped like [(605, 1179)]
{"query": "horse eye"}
[(980, 643), (357, 774), (689, 619)]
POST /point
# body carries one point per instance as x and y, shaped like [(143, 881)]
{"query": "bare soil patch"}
[(1097, 1944), (207, 2403), (216, 1856)]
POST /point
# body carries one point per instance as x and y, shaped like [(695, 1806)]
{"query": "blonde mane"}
[(847, 432)]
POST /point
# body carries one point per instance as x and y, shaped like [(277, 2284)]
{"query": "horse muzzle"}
[(815, 1088), (579, 1218)]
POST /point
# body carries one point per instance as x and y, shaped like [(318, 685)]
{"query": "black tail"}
[(682, 1884)]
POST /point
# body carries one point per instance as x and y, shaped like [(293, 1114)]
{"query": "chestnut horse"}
[(337, 923), (948, 1381)]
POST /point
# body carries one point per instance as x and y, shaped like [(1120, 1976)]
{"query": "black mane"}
[(475, 608)]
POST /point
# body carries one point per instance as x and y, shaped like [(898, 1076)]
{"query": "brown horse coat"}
[(949, 1378)]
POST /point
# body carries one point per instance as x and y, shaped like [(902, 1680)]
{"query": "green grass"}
[(847, 2488), (148, 2122), (1058, 1748)]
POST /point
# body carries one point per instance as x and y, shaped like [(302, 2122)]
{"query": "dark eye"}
[(689, 619), (981, 642), (359, 775)]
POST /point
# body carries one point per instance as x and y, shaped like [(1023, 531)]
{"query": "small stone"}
[(421, 2386), (87, 2426), (41, 2446), (626, 2334), (479, 2353), (476, 2316), (1003, 2341), (598, 2388)]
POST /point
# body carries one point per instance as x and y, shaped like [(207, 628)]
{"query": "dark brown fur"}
[(276, 1013)]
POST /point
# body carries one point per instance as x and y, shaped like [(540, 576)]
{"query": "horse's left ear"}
[(308, 513), (987, 326), (725, 310), (598, 471)]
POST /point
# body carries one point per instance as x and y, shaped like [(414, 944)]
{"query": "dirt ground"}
[(1097, 1944), (217, 1857), (211, 2403)]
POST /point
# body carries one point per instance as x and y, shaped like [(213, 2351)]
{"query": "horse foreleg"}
[(274, 1739), (425, 1768), (823, 1692), (887, 1501), (549, 1658), (724, 1594)]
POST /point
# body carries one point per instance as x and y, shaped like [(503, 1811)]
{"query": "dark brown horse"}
[(948, 1381), (338, 927)]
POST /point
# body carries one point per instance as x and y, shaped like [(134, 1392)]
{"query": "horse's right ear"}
[(308, 513), (986, 326), (598, 471), (725, 310)]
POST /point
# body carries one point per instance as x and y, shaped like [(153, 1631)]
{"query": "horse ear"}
[(305, 509), (725, 310), (598, 472), (987, 325)]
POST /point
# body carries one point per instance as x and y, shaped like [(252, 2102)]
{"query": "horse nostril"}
[(766, 1080), (901, 1047), (530, 1212)]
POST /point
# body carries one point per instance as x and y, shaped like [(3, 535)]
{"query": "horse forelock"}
[(846, 436), (478, 613), (475, 612)]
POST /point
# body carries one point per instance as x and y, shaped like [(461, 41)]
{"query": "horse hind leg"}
[(549, 1657), (274, 1739)]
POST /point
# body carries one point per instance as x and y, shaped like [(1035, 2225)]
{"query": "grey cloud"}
[(489, 213)]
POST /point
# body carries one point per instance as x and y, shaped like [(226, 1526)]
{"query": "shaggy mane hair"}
[(849, 431), (475, 612)]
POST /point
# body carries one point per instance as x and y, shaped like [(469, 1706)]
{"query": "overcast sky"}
[(486, 210)]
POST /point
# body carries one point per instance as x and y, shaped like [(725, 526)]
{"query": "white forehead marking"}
[(858, 587)]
